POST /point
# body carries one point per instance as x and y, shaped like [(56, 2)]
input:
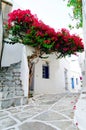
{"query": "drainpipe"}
[(1, 32)]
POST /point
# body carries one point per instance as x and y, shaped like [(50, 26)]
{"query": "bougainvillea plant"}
[(27, 29)]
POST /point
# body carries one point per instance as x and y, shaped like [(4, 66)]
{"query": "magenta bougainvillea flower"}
[(76, 123), (29, 30), (74, 108)]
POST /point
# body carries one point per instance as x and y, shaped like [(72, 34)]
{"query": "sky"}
[(51, 12), (54, 13)]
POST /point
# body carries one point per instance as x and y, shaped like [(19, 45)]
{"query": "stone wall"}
[(11, 92), (6, 8)]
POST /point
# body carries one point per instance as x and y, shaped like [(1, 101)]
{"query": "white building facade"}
[(62, 77), (84, 35), (51, 75)]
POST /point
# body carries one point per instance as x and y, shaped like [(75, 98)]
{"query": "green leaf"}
[(77, 11), (47, 46)]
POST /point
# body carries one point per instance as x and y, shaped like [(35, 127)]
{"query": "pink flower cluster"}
[(36, 33), (20, 16)]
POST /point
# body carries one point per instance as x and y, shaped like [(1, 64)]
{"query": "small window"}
[(45, 71)]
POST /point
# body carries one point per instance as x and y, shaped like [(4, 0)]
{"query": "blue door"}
[(72, 80)]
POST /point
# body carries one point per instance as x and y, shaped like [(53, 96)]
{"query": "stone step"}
[(16, 101), (11, 94), (11, 88)]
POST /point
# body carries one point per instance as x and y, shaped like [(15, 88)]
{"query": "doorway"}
[(72, 82), (31, 80)]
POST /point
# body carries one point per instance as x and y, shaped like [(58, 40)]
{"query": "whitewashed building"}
[(61, 76), (84, 35), (51, 75), (81, 106)]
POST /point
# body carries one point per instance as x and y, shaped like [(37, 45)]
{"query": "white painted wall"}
[(24, 72), (52, 85), (76, 74), (84, 35), (80, 113), (13, 54), (56, 82)]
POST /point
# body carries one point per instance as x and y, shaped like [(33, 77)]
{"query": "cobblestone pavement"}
[(43, 112)]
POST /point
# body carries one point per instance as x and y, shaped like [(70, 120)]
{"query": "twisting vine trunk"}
[(31, 74), (31, 62)]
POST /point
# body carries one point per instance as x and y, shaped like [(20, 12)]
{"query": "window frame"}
[(45, 71)]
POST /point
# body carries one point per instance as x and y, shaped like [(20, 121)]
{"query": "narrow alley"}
[(46, 112)]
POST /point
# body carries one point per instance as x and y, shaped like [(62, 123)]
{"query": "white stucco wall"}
[(77, 84), (76, 74), (80, 113), (56, 82), (13, 54), (25, 72), (84, 35)]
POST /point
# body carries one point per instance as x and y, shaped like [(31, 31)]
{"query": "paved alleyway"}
[(43, 112)]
